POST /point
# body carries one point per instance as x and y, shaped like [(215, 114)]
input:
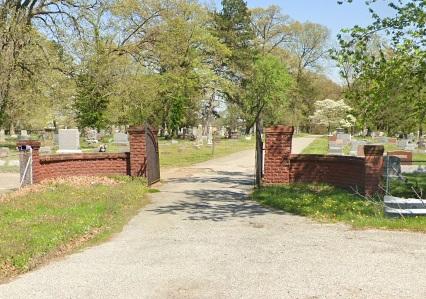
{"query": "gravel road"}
[(202, 237)]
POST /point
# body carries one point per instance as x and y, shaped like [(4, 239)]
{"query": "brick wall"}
[(361, 173), (50, 166), (340, 171)]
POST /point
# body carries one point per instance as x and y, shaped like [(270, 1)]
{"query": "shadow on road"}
[(202, 202), (221, 177)]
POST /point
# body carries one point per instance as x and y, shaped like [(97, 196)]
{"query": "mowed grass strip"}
[(330, 204), (61, 218), (318, 147), (184, 153)]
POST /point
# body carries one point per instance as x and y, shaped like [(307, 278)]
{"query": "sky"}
[(325, 12)]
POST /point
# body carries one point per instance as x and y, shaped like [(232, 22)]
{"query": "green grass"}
[(330, 204), (185, 153), (61, 218), (318, 147)]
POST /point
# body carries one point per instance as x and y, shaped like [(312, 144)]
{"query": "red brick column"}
[(35, 146), (373, 168), (137, 151), (277, 155)]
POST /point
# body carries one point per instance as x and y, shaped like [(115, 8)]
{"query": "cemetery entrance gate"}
[(152, 156)]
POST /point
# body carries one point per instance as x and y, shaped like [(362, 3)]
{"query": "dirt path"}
[(202, 237)]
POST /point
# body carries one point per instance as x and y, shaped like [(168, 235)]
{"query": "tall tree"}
[(233, 28)]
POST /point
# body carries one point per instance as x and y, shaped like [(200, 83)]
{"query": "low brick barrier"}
[(131, 163), (281, 167)]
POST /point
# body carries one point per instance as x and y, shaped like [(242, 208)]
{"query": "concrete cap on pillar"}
[(373, 150), (280, 129)]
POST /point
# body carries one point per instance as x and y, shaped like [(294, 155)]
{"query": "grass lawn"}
[(185, 153), (318, 147), (330, 204), (52, 219)]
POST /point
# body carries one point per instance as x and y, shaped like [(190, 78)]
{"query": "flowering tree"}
[(332, 114)]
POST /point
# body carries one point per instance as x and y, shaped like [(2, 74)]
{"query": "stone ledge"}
[(84, 157)]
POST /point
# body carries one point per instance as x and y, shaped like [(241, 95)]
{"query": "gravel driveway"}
[(202, 237)]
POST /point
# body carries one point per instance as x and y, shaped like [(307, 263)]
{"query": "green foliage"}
[(384, 66), (266, 92)]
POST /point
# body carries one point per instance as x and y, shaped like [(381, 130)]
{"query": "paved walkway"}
[(201, 237)]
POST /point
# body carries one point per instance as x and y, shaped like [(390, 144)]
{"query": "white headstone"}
[(2, 135), (210, 136), (69, 141), (121, 138), (346, 138), (92, 136), (199, 137), (24, 133), (222, 132)]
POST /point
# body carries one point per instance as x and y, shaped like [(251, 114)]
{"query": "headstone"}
[(199, 137), (194, 133), (402, 143), (422, 142), (335, 150), (406, 157), (92, 136), (2, 136), (2, 162), (210, 136), (222, 132), (354, 147), (410, 146), (4, 152), (392, 166), (235, 135), (69, 141), (346, 138), (121, 138), (174, 141), (24, 133), (335, 147)]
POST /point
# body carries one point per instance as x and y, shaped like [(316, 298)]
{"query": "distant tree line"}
[(172, 63)]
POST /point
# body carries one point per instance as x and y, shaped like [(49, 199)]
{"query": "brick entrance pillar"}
[(373, 168), (137, 151), (277, 155)]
